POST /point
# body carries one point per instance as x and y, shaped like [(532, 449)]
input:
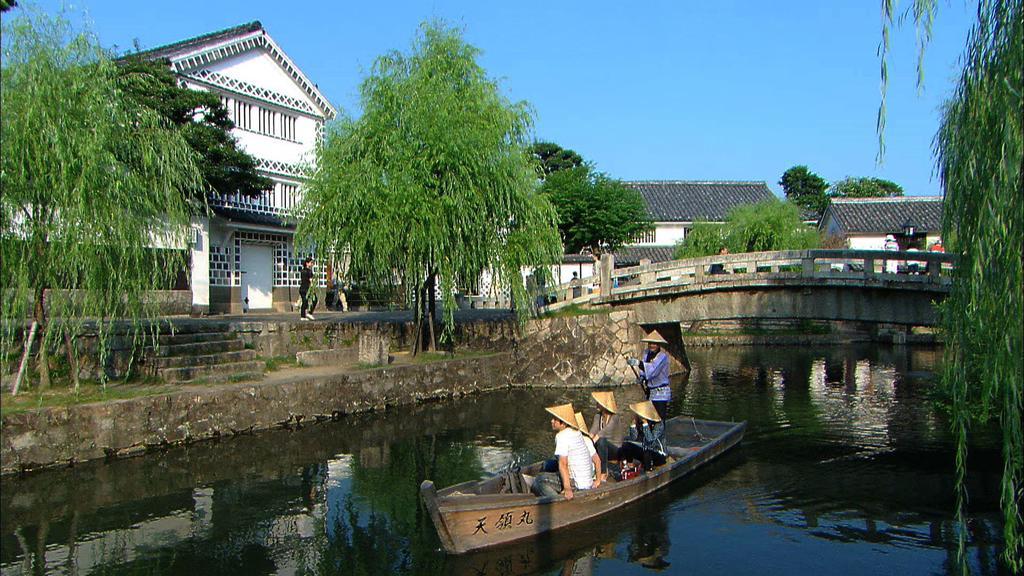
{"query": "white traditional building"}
[(243, 257), (675, 205), (914, 221)]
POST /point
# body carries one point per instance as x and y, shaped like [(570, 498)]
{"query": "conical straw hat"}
[(565, 413), (581, 425), (655, 339), (606, 400), (646, 411)]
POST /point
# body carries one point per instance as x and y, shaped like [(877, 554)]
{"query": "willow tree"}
[(91, 184), (980, 157), (434, 184)]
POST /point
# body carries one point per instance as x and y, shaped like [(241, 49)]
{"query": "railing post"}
[(869, 267), (807, 263), (607, 267)]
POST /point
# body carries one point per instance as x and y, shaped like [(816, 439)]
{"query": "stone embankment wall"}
[(127, 344), (55, 436), (571, 352), (576, 351), (288, 338)]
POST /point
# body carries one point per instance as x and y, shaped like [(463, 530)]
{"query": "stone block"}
[(618, 315), (374, 348)]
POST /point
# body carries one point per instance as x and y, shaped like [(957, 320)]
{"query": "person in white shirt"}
[(577, 461), (891, 245)]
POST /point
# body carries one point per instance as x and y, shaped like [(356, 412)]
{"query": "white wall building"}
[(915, 221), (243, 258), (675, 205)]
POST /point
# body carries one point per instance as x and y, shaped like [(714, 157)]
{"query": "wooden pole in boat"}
[(642, 381)]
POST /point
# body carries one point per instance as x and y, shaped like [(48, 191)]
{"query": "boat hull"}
[(467, 522)]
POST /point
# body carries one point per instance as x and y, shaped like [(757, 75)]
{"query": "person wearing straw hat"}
[(581, 425), (605, 429), (646, 439), (577, 460), (654, 370)]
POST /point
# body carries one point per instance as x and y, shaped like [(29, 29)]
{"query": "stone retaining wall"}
[(576, 351), (56, 436), (571, 352)]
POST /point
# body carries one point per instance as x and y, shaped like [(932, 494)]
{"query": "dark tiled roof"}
[(690, 201), (577, 259), (239, 215), (885, 215), (168, 50), (631, 255)]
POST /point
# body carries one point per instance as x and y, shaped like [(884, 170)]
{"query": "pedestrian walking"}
[(305, 283)]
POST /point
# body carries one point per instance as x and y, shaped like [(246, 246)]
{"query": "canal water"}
[(846, 468)]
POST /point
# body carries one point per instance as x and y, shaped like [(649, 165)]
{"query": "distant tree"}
[(202, 120), (704, 239), (865, 188), (805, 188), (595, 211), (833, 242), (553, 158), (769, 225), (90, 182), (765, 226), (433, 185), (6, 5)]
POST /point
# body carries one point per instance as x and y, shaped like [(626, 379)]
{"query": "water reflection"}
[(846, 468)]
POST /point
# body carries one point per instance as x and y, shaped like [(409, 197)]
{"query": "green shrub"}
[(766, 226)]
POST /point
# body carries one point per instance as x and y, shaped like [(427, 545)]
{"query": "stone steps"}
[(228, 371), (179, 338), (203, 356), (202, 359), (227, 343)]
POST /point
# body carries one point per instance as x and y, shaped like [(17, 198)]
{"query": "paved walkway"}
[(345, 317)]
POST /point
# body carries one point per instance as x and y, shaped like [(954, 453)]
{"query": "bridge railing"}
[(907, 267), (579, 291), (910, 267)]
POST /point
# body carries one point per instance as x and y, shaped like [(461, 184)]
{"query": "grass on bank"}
[(88, 391), (273, 363), (571, 311), (63, 394)]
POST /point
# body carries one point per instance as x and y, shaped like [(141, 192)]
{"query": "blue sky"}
[(710, 90)]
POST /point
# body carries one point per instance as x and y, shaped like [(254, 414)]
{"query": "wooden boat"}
[(479, 514)]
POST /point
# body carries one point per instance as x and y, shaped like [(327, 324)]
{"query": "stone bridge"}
[(899, 288)]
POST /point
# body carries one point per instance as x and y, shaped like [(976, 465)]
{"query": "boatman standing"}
[(654, 371)]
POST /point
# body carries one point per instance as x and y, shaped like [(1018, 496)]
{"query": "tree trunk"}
[(44, 361), (69, 348), (418, 331), (24, 357), (432, 306)]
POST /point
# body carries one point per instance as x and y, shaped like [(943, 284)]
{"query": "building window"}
[(287, 127), (243, 115), (255, 118), (289, 195), (267, 124), (645, 238)]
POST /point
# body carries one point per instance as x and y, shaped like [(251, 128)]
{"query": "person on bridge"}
[(891, 245), (646, 439), (654, 372), (719, 267), (576, 459)]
